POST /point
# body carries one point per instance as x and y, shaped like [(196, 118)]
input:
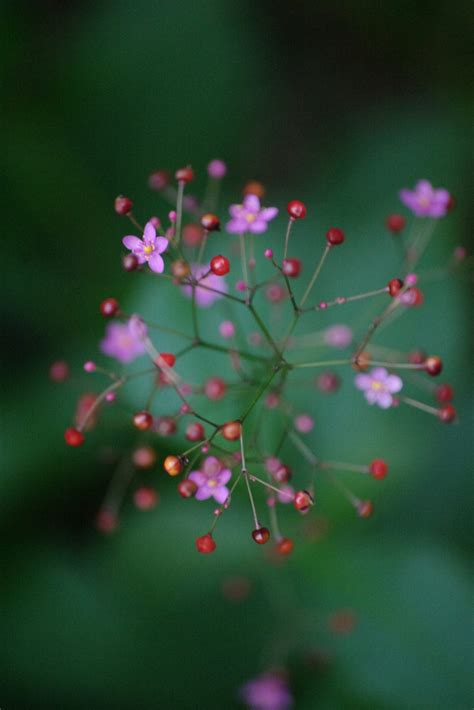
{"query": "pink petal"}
[(237, 226), (384, 400), (362, 382), (204, 493), (133, 243), (379, 373), (198, 477), (224, 476), (149, 233), (258, 226), (269, 213), (394, 383), (235, 210), (424, 188), (371, 396), (211, 466), (156, 263), (252, 203), (161, 244), (221, 494)]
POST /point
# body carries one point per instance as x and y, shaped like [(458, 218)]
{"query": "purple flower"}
[(378, 386), (205, 298), (149, 248), (425, 201), (211, 480), (250, 217), (267, 692), (121, 342)]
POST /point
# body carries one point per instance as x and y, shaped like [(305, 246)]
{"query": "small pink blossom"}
[(205, 297), (216, 169), (267, 692), (121, 343), (250, 216), (286, 494), (304, 423), (425, 200), (149, 248), (227, 329), (211, 480), (378, 386), (338, 336)]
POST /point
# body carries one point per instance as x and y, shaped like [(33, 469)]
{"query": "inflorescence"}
[(225, 453)]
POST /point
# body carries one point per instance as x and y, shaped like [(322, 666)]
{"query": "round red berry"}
[(144, 457), (417, 357), (282, 474), (444, 393), (205, 544), (211, 222), (365, 508), (165, 359), (334, 236), (123, 205), (185, 174), (192, 234), (173, 465), (394, 287), (187, 488), (296, 209), (303, 501), (220, 265), (109, 307), (130, 262), (215, 388), (145, 498), (231, 431), (159, 180), (73, 437), (195, 432), (261, 535), (291, 268), (395, 223), (285, 546), (378, 468), (142, 420), (447, 413), (433, 365)]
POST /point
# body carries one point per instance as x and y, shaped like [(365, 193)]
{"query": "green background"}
[(339, 104)]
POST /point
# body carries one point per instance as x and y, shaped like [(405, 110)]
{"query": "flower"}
[(425, 201), (250, 217), (205, 298), (378, 386), (149, 248), (211, 480), (338, 336), (267, 692), (121, 342), (216, 169)]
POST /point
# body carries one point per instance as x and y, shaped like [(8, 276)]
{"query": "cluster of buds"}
[(247, 273)]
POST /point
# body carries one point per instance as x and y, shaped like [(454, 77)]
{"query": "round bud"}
[(159, 180), (303, 501), (394, 287), (447, 413), (365, 508), (285, 546), (417, 357), (216, 169), (291, 268), (165, 426), (130, 262), (195, 432), (261, 535), (444, 393), (220, 265), (123, 205), (210, 222), (173, 465), (180, 269), (268, 253), (231, 431), (164, 359), (296, 209), (205, 544), (334, 236), (378, 468), (362, 362), (254, 187), (215, 388), (144, 457), (433, 365), (142, 420), (328, 382), (109, 307), (59, 371), (395, 223), (282, 474), (185, 175), (145, 498), (192, 234), (187, 488), (73, 437)]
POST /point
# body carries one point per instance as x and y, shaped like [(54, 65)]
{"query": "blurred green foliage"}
[(339, 104)]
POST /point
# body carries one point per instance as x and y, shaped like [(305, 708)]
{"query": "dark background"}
[(340, 104)]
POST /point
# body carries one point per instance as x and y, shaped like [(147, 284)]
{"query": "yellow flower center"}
[(424, 201), (376, 386), (212, 483), (148, 249), (251, 218)]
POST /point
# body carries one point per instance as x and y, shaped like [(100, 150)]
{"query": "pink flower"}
[(267, 692), (205, 298), (121, 342), (338, 336), (211, 480), (378, 386), (149, 248), (216, 169), (286, 494), (425, 201), (250, 217), (304, 423), (227, 329)]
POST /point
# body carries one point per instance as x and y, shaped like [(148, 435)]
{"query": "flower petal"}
[(269, 213), (161, 244), (236, 210), (204, 493), (224, 476), (394, 383), (384, 400), (237, 226), (156, 263), (221, 494), (211, 466), (252, 203), (149, 233), (362, 382), (133, 243), (258, 226), (198, 478)]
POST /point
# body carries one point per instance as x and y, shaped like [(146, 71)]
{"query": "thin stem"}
[(374, 325), (259, 393), (419, 405), (264, 329), (303, 448), (243, 258), (287, 236), (224, 294), (322, 363), (98, 400), (194, 313), (244, 355), (273, 488), (341, 466), (135, 222), (179, 212), (342, 300), (316, 274), (202, 246)]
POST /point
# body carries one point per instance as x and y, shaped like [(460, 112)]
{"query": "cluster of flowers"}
[(223, 454)]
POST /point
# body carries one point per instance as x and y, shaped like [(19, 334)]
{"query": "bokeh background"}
[(339, 104)]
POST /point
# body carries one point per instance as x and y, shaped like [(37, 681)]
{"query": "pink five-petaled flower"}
[(121, 341), (149, 248), (425, 200), (267, 692), (250, 216), (205, 296), (211, 480), (378, 386)]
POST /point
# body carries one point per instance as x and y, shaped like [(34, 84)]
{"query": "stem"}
[(419, 405), (323, 363), (316, 274), (202, 247), (287, 236), (179, 212), (243, 257), (264, 330), (259, 393), (273, 488), (240, 353), (99, 399)]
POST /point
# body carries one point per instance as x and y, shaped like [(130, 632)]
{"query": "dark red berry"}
[(417, 357), (159, 180), (447, 413), (261, 535), (378, 468), (296, 209), (187, 488), (395, 223), (73, 437), (282, 474), (123, 205), (394, 287), (365, 508), (334, 236), (285, 546), (130, 262), (220, 265), (145, 498), (291, 268), (254, 187), (231, 431), (142, 420), (444, 393), (433, 365), (205, 544), (106, 521), (185, 174), (328, 382), (211, 222), (303, 501), (59, 371), (109, 307), (195, 432), (215, 388), (165, 359)]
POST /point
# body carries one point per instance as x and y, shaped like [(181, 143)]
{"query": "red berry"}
[(159, 180), (291, 268), (365, 508), (296, 209), (394, 287), (109, 307), (195, 432), (282, 474), (187, 488), (334, 236), (444, 393), (285, 546), (215, 388), (192, 234), (130, 262), (261, 535), (165, 359), (231, 431), (123, 205), (73, 437), (173, 465), (106, 521), (433, 365), (220, 265), (184, 174), (328, 382), (205, 544), (451, 203), (144, 457), (378, 468), (211, 222), (447, 413), (303, 501), (59, 371), (417, 357), (395, 223), (145, 498), (165, 426), (142, 420)]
